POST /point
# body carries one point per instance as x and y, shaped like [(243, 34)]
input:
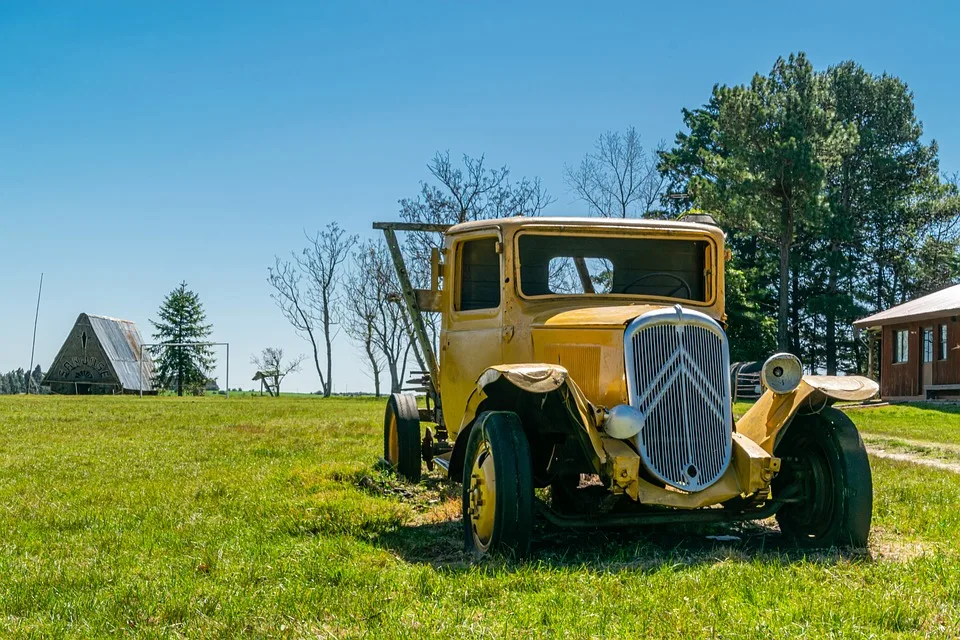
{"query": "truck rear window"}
[(589, 265)]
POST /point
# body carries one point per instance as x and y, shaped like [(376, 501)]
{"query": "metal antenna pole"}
[(34, 345)]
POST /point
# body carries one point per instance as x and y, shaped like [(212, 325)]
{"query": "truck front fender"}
[(500, 387), (768, 419)]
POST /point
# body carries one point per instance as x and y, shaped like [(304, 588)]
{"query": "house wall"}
[(901, 379), (904, 380), (947, 371)]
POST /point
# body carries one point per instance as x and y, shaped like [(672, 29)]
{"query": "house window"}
[(943, 342), (901, 346), (479, 275), (928, 344)]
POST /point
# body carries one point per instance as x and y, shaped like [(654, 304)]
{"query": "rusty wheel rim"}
[(393, 442), (483, 497)]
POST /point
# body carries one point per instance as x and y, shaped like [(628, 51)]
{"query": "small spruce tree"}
[(182, 319)]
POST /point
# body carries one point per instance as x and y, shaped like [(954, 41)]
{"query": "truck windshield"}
[(594, 265)]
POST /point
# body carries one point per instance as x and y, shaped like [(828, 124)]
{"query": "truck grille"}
[(677, 363)]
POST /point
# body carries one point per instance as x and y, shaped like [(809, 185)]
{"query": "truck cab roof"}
[(571, 222)]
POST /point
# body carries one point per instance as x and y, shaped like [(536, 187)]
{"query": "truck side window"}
[(479, 275)]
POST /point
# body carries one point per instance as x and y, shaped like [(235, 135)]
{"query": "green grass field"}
[(265, 517)]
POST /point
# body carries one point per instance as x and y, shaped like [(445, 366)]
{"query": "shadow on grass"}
[(440, 545), (435, 538)]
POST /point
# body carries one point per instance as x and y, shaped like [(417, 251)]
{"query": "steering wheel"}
[(682, 283)]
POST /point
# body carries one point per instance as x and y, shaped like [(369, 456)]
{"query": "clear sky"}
[(146, 143)]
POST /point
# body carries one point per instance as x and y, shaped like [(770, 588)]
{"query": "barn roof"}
[(938, 304), (120, 343)]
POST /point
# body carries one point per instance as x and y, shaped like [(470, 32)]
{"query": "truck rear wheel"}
[(401, 436), (825, 463), (498, 486)]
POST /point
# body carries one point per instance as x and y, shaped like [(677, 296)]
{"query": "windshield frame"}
[(672, 235)]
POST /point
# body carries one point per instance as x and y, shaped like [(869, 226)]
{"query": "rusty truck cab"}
[(561, 290)]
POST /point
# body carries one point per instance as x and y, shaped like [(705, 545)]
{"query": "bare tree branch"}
[(290, 297), (376, 317), (322, 263), (619, 179), (270, 363)]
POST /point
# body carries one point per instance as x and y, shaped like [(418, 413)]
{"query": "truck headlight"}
[(781, 373), (623, 422)]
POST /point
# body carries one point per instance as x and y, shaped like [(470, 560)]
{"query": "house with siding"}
[(918, 355)]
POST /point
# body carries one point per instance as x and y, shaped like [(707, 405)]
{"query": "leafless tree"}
[(322, 263), (290, 295), (463, 193), (362, 310), (270, 363), (306, 290), (456, 194), (375, 317), (619, 179)]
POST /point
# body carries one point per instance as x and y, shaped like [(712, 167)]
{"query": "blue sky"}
[(143, 144)]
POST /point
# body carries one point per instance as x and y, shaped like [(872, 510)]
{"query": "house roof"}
[(938, 304)]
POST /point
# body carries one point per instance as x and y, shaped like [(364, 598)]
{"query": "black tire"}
[(401, 436), (823, 460), (498, 444)]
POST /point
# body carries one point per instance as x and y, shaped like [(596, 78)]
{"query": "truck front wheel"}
[(826, 470), (498, 486)]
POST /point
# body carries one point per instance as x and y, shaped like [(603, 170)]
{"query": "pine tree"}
[(182, 320), (37, 378), (763, 168), (826, 174)]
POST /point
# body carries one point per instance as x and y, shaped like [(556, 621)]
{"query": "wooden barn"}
[(919, 347), (101, 355)]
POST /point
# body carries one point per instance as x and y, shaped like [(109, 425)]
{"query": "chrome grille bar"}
[(677, 362)]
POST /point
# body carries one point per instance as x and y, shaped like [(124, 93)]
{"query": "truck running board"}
[(674, 516)]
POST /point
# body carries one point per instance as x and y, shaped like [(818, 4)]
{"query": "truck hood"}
[(592, 317)]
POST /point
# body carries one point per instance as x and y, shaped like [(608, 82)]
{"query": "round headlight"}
[(781, 373), (623, 422)]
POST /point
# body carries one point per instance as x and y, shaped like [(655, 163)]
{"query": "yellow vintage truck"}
[(580, 370)]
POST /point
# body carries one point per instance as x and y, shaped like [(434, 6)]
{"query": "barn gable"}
[(100, 355)]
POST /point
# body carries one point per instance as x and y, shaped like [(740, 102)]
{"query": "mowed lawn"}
[(207, 517)]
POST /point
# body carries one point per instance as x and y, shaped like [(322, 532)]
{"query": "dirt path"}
[(884, 440), (934, 463)]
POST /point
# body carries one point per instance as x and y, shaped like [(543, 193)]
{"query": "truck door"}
[(470, 339)]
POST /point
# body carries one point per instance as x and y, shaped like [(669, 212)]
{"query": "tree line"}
[(17, 381), (834, 207)]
